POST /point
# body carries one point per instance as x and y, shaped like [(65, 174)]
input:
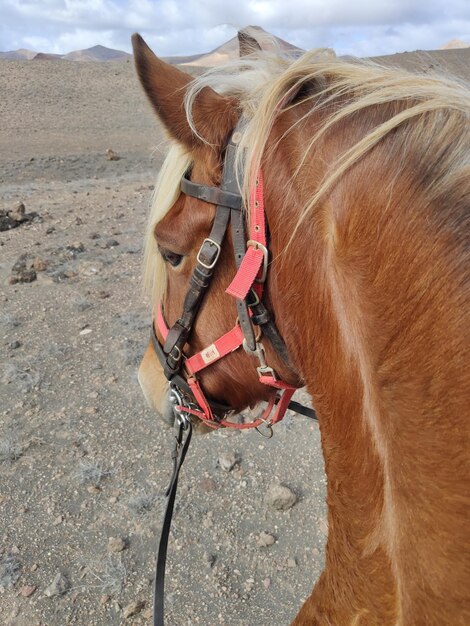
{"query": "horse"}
[(366, 190)]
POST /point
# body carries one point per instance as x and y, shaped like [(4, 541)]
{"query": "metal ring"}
[(269, 426)]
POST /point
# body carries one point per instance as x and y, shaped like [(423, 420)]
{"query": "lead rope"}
[(183, 438), (184, 429)]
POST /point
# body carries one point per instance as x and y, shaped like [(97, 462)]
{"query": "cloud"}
[(192, 26), (407, 37)]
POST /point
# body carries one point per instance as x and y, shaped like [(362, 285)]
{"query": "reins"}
[(187, 396)]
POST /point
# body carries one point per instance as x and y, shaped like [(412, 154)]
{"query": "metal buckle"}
[(259, 246), (263, 369), (254, 295), (172, 362), (208, 266), (176, 357)]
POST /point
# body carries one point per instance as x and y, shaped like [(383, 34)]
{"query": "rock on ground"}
[(280, 497), (58, 586)]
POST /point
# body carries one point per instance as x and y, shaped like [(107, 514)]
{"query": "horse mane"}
[(436, 110), (267, 85)]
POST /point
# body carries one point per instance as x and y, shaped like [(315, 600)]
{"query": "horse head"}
[(199, 141)]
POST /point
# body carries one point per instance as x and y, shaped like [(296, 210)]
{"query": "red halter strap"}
[(256, 257), (217, 350), (250, 275)]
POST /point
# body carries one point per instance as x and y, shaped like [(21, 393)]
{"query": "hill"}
[(46, 56), (451, 62), (455, 44), (97, 53), (230, 49), (18, 55)]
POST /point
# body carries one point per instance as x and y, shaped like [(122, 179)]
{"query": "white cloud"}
[(191, 26)]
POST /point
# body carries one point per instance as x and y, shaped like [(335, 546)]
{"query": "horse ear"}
[(213, 115)]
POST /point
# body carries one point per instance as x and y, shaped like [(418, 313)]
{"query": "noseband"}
[(251, 259)]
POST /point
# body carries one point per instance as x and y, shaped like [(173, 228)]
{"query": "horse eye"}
[(171, 257)]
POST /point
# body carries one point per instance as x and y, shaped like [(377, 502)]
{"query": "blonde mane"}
[(166, 193), (266, 84)]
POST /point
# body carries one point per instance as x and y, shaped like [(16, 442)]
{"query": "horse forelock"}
[(166, 193)]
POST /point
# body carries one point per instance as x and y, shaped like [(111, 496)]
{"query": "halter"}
[(251, 257)]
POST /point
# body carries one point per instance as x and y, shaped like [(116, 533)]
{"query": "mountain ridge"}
[(96, 53), (220, 54)]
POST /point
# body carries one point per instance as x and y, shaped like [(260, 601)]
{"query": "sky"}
[(181, 27)]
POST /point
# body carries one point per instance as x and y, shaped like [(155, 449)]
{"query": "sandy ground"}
[(82, 459)]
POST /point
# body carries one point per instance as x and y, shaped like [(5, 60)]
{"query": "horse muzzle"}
[(155, 386)]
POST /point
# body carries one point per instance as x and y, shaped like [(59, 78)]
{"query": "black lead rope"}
[(183, 438), (302, 410)]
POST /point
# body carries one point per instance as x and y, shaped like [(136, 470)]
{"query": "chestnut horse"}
[(367, 196)]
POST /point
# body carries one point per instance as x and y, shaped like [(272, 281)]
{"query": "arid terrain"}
[(83, 462)]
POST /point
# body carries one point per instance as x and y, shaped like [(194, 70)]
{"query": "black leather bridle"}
[(251, 312)]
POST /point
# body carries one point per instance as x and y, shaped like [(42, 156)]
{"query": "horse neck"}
[(368, 297)]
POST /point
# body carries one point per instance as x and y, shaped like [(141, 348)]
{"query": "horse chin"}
[(167, 415), (154, 385), (164, 410)]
